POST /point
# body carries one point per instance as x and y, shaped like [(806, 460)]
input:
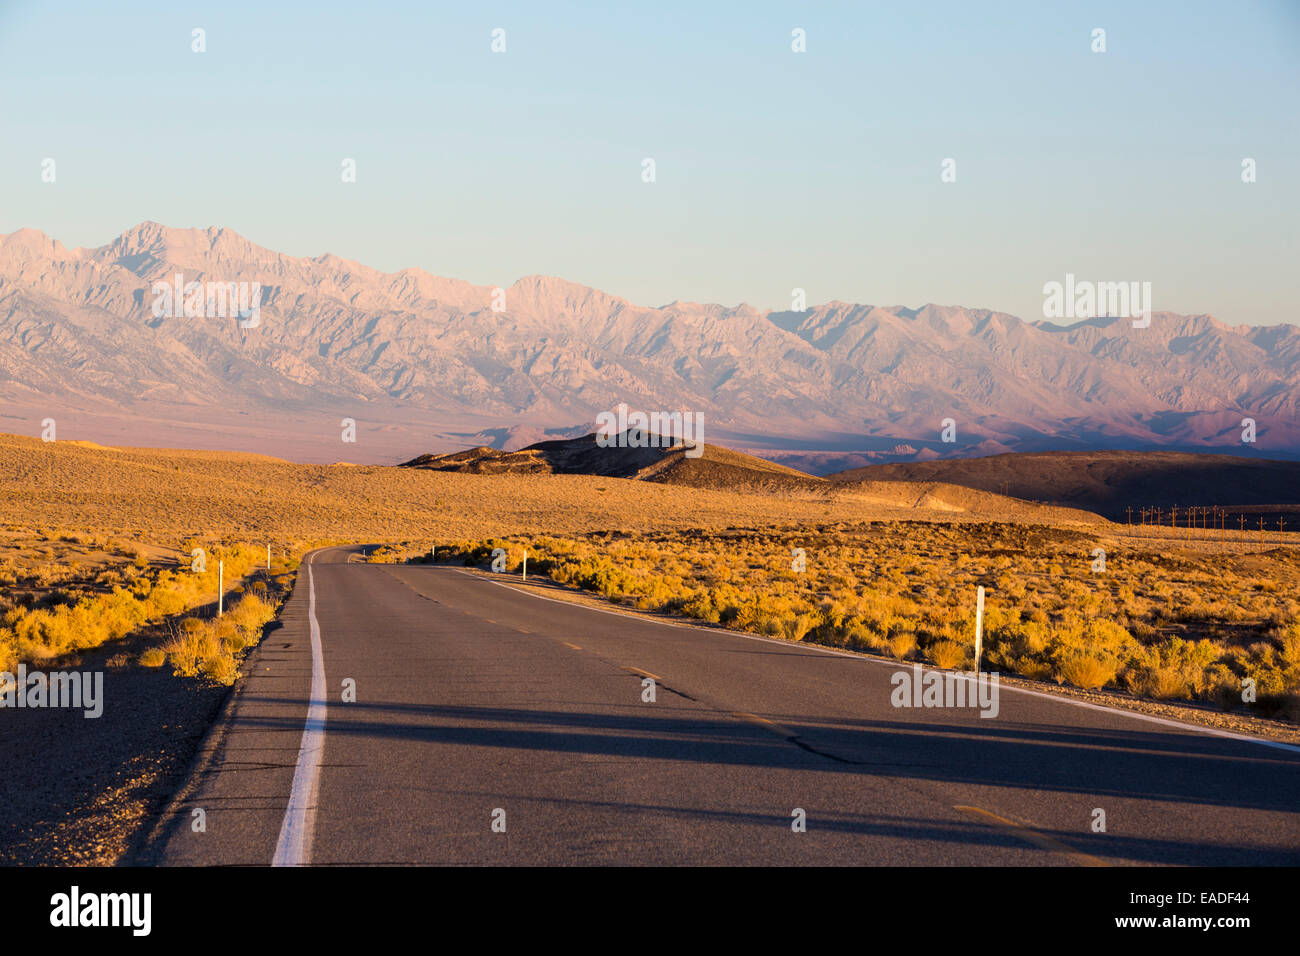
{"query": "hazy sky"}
[(774, 169)]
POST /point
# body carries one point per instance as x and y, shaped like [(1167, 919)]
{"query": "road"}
[(478, 702)]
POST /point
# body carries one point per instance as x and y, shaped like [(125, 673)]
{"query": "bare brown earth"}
[(712, 466), (77, 791)]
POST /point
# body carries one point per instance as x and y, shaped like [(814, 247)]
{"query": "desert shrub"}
[(251, 613), (210, 648), (153, 657), (902, 644), (1174, 669), (797, 626), (1085, 669), (220, 668), (8, 655), (77, 621), (188, 648), (946, 654)]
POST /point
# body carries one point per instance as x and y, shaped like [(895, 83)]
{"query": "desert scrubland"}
[(97, 542)]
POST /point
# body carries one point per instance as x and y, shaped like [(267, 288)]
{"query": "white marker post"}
[(525, 565), (268, 559), (221, 586), (979, 625)]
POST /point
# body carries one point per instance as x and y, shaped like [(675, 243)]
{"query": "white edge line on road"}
[(1163, 721), (294, 846)]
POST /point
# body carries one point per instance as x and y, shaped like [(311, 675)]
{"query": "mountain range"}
[(425, 364)]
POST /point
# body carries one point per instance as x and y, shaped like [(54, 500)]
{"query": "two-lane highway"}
[(479, 703)]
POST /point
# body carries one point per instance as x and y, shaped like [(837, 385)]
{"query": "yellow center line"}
[(574, 646), (637, 670), (766, 724), (1041, 840)]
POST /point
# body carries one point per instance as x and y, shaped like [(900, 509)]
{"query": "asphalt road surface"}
[(496, 726)]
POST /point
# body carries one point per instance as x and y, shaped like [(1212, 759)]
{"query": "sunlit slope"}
[(150, 492)]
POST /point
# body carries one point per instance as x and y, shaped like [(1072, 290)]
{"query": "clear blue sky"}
[(774, 169)]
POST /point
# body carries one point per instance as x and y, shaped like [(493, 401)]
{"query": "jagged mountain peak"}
[(33, 243), (554, 352)]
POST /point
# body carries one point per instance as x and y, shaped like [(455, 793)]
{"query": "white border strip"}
[(294, 846), (1057, 698)]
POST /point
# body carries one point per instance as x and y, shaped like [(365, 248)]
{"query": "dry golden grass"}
[(153, 657), (160, 495), (947, 654), (1080, 667), (79, 522), (86, 614), (213, 647), (41, 565)]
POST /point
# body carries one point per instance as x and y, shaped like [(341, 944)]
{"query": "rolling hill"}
[(716, 467), (1110, 482)]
